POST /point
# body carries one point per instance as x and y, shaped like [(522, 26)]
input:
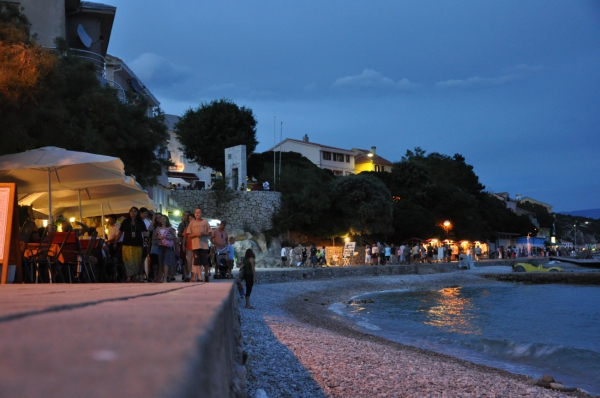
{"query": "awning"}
[(185, 176), (178, 181)]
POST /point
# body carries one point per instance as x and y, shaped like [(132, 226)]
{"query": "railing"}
[(119, 88), (95, 58)]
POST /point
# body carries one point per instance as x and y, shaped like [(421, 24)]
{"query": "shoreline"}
[(321, 354)]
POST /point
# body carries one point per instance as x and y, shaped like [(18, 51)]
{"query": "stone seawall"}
[(250, 211), (293, 275), (571, 278)]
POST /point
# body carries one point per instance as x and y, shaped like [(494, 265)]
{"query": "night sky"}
[(513, 86)]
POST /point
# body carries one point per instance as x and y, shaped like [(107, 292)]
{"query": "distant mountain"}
[(592, 213)]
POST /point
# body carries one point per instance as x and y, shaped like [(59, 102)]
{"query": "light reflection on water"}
[(527, 329), (453, 312)]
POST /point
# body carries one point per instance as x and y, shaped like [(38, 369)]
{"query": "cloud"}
[(372, 80), (518, 72), (159, 71)]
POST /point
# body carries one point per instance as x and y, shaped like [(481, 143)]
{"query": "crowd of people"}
[(145, 247)]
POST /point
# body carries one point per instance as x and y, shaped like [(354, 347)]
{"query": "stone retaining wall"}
[(571, 278), (294, 275), (219, 370), (247, 210)]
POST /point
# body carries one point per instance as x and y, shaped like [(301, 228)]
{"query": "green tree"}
[(206, 131), (363, 204), (433, 188), (543, 217), (305, 193), (57, 100)]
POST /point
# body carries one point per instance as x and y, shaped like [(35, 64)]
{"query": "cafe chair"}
[(25, 234), (37, 255), (86, 265), (57, 259)]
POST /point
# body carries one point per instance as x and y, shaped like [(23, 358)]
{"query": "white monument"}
[(235, 166)]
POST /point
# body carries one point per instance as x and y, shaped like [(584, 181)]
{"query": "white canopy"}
[(40, 169)]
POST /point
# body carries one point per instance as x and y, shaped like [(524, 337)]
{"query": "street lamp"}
[(446, 226)]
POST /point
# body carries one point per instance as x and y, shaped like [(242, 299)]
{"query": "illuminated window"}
[(338, 173)]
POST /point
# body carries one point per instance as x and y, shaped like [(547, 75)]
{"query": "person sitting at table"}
[(66, 226)]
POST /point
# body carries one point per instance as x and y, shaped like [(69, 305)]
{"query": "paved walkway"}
[(103, 340)]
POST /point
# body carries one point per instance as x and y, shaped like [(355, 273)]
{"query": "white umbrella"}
[(114, 198), (110, 207), (101, 194), (40, 169)]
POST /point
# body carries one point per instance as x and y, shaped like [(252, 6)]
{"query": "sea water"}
[(525, 329)]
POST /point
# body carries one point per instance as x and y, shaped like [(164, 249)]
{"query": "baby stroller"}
[(221, 261)]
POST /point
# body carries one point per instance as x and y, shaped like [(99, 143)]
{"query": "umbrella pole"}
[(51, 221), (102, 219), (79, 198)]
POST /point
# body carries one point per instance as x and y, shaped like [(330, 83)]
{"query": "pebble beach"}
[(297, 347)]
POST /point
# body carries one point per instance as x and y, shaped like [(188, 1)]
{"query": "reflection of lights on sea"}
[(453, 312)]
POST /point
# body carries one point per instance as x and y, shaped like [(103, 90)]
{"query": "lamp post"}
[(446, 226), (575, 229)]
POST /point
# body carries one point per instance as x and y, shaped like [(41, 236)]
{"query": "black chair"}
[(38, 255), (25, 234), (86, 265), (54, 263)]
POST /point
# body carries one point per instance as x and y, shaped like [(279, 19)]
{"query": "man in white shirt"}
[(283, 258), (113, 229)]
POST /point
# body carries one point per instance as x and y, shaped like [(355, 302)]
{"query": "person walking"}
[(249, 275), (132, 229), (196, 273), (313, 255), (186, 265), (284, 259), (199, 231), (166, 236)]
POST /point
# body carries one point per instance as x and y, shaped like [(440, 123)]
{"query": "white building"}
[(338, 160)]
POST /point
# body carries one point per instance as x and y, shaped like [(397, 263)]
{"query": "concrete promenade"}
[(119, 340)]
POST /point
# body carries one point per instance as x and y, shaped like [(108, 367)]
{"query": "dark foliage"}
[(60, 102), (206, 131)]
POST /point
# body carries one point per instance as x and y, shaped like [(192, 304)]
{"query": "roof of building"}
[(528, 199), (97, 6), (362, 157), (135, 82), (309, 143), (170, 120)]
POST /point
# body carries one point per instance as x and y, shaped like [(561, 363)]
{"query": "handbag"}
[(167, 242)]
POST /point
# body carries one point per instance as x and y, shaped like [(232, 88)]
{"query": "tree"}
[(363, 204), (543, 217), (206, 131), (305, 193), (55, 99)]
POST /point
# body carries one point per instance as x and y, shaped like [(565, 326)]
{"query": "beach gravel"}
[(297, 347)]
